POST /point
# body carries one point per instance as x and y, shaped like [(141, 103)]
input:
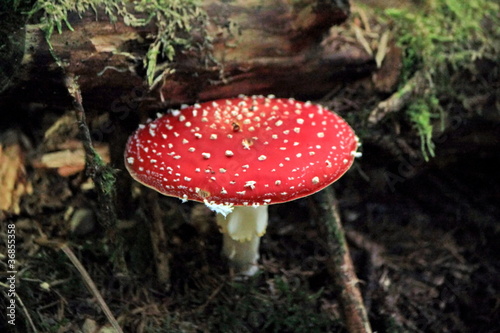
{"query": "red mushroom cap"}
[(242, 151)]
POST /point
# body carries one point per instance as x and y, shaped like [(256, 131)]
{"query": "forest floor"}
[(425, 248)]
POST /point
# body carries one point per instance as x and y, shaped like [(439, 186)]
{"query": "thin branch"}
[(26, 313), (89, 283), (25, 310), (340, 264), (91, 286), (400, 99), (102, 175)]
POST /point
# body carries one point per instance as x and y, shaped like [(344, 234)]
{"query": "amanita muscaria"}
[(240, 155)]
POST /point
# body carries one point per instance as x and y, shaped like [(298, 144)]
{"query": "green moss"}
[(446, 33), (441, 38), (176, 21), (422, 113)]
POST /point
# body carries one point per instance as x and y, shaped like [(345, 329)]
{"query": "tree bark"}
[(274, 47)]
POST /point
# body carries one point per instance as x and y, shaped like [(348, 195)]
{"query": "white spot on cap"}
[(246, 143), (300, 121), (321, 135), (229, 153), (205, 155), (262, 158), (213, 136), (278, 182), (250, 183), (315, 180), (279, 123), (130, 160)]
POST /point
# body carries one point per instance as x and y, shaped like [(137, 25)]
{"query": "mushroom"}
[(240, 155)]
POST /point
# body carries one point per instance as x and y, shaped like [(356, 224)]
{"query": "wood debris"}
[(70, 158), (13, 178)]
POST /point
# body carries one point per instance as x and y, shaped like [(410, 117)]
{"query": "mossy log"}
[(250, 47)]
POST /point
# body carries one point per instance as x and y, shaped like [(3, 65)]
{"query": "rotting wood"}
[(255, 48)]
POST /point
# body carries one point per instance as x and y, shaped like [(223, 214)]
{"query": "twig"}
[(91, 286), (209, 299), (85, 277), (102, 175), (400, 99), (373, 263), (26, 313), (340, 264)]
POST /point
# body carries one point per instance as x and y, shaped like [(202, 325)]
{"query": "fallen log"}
[(245, 47)]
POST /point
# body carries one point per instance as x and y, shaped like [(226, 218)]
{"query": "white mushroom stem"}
[(242, 230)]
